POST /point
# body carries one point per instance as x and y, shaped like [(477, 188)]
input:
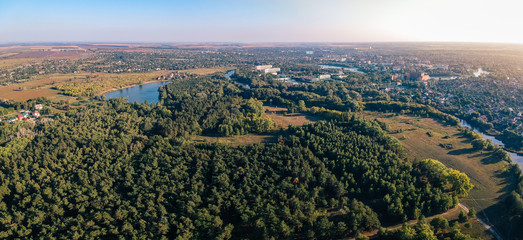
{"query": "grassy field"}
[(13, 63), (283, 120), (421, 137)]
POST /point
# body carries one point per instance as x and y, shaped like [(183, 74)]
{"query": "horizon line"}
[(244, 42)]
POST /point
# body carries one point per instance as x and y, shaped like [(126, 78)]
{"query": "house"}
[(39, 107), (20, 117), (36, 114)]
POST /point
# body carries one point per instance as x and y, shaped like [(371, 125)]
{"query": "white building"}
[(261, 67), (271, 70), (324, 76)]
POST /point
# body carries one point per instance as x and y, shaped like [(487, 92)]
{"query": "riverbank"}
[(516, 157)]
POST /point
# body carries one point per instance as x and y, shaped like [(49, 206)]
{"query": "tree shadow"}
[(509, 180), (461, 151), (490, 160)]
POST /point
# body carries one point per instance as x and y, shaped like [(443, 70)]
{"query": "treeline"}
[(413, 109), (4, 111), (514, 203), (479, 144), (475, 120), (512, 139), (27, 105), (437, 228)]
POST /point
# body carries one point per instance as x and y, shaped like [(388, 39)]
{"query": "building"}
[(39, 107), (395, 77), (417, 76), (324, 76), (261, 67), (424, 77), (36, 114), (271, 70), (266, 69)]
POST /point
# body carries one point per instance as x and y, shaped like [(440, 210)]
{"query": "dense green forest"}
[(112, 169), (211, 105)]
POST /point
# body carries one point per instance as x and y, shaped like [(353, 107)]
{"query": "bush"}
[(462, 217), (472, 213)]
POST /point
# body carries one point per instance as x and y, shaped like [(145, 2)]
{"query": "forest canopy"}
[(114, 169)]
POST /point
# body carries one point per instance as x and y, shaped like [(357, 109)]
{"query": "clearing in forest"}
[(283, 119)]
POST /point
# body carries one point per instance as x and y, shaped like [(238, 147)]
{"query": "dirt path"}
[(460, 206), (487, 226), (374, 233)]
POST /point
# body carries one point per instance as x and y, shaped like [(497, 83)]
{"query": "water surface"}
[(139, 93), (515, 158), (230, 73)]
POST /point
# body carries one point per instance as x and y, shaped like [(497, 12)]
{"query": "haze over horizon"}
[(261, 21)]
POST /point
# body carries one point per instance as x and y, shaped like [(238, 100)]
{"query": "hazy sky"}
[(261, 21)]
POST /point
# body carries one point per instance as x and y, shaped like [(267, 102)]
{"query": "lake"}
[(139, 93), (515, 158)]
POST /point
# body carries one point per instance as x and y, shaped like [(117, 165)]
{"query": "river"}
[(230, 73), (515, 158), (139, 93)]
